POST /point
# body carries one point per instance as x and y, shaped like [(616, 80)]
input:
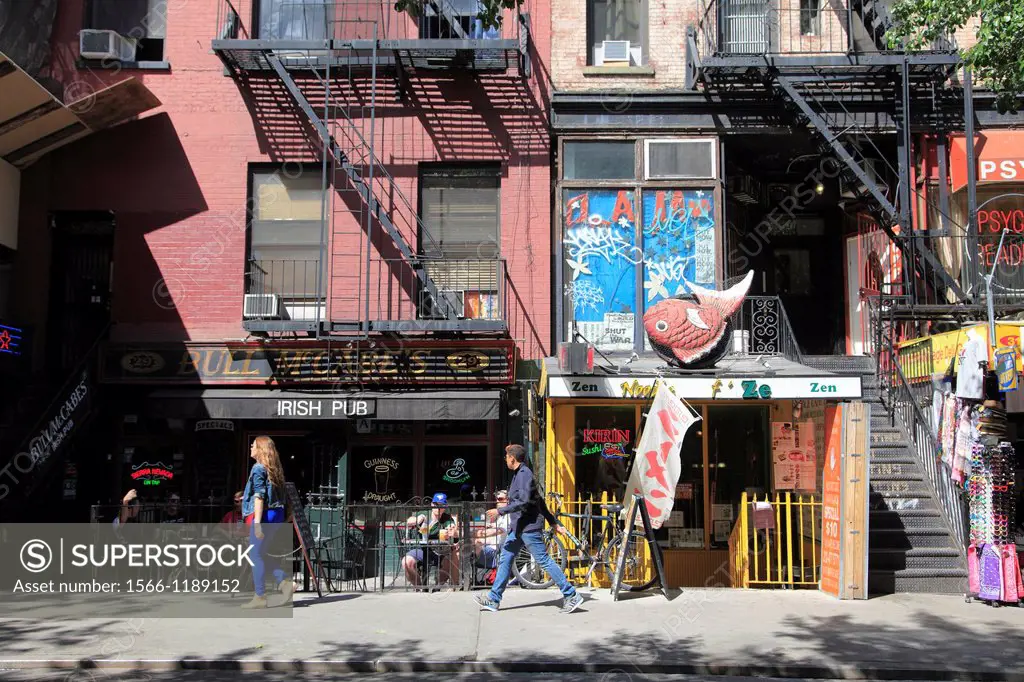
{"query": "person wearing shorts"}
[(433, 522)]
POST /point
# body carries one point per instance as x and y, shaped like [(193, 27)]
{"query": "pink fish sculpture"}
[(694, 330)]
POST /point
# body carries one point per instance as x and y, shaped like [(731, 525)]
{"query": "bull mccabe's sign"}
[(408, 363)]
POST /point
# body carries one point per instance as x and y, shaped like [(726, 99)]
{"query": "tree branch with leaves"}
[(997, 59)]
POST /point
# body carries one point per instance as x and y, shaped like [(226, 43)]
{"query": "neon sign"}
[(152, 474), (606, 435), (11, 340)]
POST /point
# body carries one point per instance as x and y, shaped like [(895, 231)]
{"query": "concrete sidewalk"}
[(713, 632)]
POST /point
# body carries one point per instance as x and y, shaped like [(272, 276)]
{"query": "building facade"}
[(695, 143), (332, 230)]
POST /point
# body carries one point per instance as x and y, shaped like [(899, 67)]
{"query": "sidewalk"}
[(780, 634)]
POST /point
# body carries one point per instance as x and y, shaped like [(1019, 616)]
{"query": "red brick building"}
[(333, 228)]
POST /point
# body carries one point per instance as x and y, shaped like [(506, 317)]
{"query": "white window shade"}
[(680, 159), (459, 211)]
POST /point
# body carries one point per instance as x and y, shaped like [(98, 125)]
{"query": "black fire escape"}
[(830, 69), (325, 72)]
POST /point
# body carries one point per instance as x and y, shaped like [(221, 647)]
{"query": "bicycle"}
[(602, 555)]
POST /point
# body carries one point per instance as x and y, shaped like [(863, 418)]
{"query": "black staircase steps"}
[(358, 182)]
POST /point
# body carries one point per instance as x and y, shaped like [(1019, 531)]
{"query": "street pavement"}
[(703, 633)]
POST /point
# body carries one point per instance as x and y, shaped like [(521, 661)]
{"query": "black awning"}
[(274, 404)]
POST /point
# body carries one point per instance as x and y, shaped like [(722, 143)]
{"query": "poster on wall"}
[(784, 466), (601, 255), (678, 243), (807, 467), (831, 540)]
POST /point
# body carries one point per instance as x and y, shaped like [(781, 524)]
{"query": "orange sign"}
[(831, 538), (998, 157)]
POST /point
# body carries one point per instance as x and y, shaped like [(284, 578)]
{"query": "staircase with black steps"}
[(911, 548)]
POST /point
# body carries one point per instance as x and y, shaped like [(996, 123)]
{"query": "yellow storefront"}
[(593, 424)]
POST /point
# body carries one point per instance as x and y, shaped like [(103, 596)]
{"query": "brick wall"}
[(177, 179), (667, 24)]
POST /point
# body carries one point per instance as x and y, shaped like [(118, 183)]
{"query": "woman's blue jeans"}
[(272, 525)]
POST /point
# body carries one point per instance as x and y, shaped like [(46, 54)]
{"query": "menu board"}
[(794, 457), (784, 467)]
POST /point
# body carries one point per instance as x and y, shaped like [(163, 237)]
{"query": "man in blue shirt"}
[(526, 511)]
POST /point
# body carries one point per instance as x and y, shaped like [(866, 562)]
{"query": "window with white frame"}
[(295, 19), (285, 230), (460, 215), (633, 232), (617, 32), (810, 17)]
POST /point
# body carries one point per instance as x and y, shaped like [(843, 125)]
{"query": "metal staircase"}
[(379, 266), (826, 87), (912, 545)]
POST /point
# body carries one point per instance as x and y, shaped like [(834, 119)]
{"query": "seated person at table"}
[(435, 521), (487, 541)]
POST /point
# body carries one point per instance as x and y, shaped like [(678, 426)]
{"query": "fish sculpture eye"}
[(661, 326)]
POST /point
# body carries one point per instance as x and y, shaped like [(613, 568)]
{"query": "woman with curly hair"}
[(263, 508)]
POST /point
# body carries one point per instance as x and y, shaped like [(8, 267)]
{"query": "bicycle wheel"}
[(528, 571), (639, 561)]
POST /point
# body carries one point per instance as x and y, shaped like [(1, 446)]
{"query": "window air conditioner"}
[(261, 306), (450, 304), (96, 44), (616, 53)]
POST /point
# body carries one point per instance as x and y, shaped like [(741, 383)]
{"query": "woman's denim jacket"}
[(260, 485)]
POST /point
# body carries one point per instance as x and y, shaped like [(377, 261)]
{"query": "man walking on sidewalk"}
[(527, 512)]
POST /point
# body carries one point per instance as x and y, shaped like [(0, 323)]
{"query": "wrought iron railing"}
[(909, 410), (315, 20), (762, 327), (785, 27)]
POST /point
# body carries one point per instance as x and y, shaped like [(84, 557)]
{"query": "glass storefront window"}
[(739, 459), (381, 474), (605, 437), (684, 528), (600, 260), (624, 250), (599, 160), (457, 470)]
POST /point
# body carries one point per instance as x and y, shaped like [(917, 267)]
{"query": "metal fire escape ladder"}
[(889, 213), (358, 182)]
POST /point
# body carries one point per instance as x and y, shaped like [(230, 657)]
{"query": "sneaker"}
[(486, 602), (256, 603), (572, 603)]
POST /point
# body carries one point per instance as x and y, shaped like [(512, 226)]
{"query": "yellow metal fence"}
[(779, 546)]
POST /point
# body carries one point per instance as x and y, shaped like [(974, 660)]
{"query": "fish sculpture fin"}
[(725, 302)]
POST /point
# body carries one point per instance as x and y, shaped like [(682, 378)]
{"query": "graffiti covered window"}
[(678, 242), (600, 261)]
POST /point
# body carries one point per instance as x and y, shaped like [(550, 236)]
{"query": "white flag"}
[(656, 464)]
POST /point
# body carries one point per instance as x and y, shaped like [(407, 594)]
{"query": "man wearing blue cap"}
[(526, 511), (436, 524)]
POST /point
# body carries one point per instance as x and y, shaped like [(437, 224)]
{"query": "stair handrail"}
[(897, 392), (74, 375)]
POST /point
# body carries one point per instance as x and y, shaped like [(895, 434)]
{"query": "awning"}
[(999, 157), (34, 122), (273, 404)]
